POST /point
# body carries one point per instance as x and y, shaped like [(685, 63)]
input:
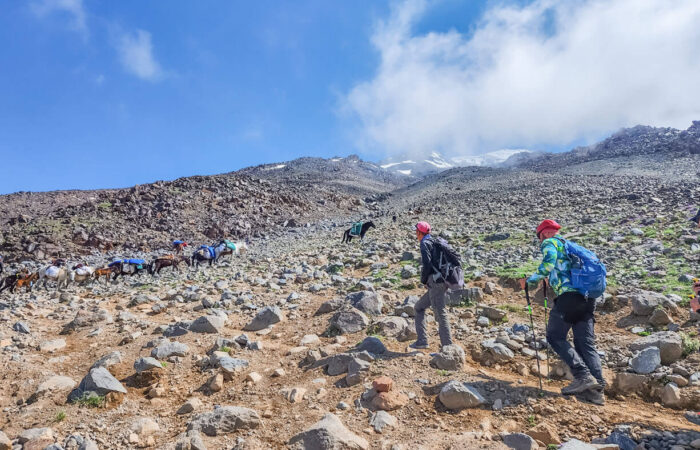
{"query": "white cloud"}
[(74, 8), (136, 55), (548, 73)]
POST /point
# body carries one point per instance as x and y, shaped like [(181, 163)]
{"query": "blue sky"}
[(97, 94)]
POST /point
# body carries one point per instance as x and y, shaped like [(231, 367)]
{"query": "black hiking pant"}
[(572, 311)]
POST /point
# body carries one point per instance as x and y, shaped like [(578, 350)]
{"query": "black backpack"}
[(449, 264)]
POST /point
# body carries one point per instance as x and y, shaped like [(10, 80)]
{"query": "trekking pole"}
[(544, 284), (532, 324)]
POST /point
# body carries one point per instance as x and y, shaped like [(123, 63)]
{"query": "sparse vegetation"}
[(443, 372), (60, 416), (224, 349), (690, 344), (91, 400)]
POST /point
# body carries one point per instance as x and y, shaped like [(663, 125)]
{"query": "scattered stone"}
[(668, 343), (147, 363), (21, 327), (192, 404), (382, 384), (328, 434), (451, 357), (99, 381), (347, 321), (671, 395), (660, 318), (389, 401), (519, 441), (265, 318), (646, 361), (372, 345), (52, 346), (457, 395), (168, 348), (381, 420), (208, 324), (366, 301), (224, 419)]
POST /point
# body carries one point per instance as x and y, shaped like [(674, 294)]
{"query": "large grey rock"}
[(626, 383), (498, 352), (392, 326), (671, 395), (458, 395), (366, 301), (575, 444), (190, 440), (646, 361), (461, 296), (99, 381), (660, 318), (338, 364), (621, 440), (230, 366), (381, 420), (224, 419), (348, 320), (108, 360), (492, 313), (168, 348), (357, 369), (451, 357), (668, 342), (146, 363), (329, 433), (372, 345), (330, 306), (519, 441), (408, 306), (266, 317), (208, 324), (645, 302)]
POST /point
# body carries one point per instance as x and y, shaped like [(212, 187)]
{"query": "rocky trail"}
[(302, 342)]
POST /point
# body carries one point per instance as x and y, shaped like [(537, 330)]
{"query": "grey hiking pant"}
[(434, 297), (573, 312)]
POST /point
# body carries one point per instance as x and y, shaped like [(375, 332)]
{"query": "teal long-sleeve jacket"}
[(555, 266)]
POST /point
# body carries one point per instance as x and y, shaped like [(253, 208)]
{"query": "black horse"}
[(123, 269), (167, 261), (347, 237)]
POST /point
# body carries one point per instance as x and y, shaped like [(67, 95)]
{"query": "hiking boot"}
[(594, 395), (579, 385), (418, 345)]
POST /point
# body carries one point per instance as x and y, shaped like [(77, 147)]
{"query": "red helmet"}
[(547, 225), (423, 227)]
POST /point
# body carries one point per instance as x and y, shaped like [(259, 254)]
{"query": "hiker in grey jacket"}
[(435, 297)]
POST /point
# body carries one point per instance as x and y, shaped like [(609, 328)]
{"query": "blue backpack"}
[(587, 271)]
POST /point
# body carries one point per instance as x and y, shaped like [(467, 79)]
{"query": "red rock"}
[(383, 384), (389, 401)]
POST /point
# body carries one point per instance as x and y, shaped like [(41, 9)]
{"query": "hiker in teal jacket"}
[(571, 311)]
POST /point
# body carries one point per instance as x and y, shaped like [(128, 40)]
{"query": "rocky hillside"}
[(657, 143), (246, 204)]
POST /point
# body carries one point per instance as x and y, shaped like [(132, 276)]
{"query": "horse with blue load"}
[(209, 253), (179, 246), (131, 266)]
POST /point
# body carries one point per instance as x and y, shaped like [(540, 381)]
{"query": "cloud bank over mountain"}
[(550, 73)]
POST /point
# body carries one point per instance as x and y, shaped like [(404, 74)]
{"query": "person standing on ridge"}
[(571, 311), (435, 296)]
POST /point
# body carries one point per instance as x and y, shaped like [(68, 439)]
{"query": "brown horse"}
[(102, 272), (167, 261), (26, 282), (10, 281), (179, 246)]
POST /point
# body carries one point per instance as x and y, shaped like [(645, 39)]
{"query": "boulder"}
[(645, 302), (626, 383), (266, 317), (461, 296), (668, 342), (366, 301), (208, 324), (99, 381), (389, 401), (390, 326), (646, 361), (670, 395), (328, 434), (519, 441), (660, 318), (408, 306), (372, 345), (381, 420), (498, 352), (147, 363), (168, 348), (224, 419), (348, 320), (457, 395), (492, 313), (329, 306), (451, 357)]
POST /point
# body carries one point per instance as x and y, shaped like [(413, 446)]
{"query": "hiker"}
[(435, 296), (571, 311)]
